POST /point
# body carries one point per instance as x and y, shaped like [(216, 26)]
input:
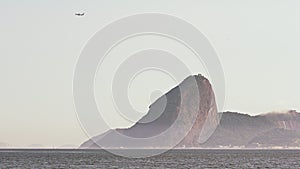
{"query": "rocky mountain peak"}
[(188, 111)]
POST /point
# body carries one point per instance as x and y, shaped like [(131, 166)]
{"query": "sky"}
[(256, 42)]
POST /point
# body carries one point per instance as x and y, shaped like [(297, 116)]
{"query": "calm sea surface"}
[(171, 159)]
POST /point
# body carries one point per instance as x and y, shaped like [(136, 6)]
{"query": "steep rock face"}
[(187, 111)]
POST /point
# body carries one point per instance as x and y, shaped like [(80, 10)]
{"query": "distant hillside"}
[(262, 131)]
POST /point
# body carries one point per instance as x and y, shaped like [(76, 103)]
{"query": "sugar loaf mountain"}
[(187, 117)]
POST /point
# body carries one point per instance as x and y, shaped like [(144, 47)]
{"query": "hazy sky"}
[(257, 43)]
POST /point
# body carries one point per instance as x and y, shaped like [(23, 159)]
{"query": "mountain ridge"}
[(208, 130), (246, 131)]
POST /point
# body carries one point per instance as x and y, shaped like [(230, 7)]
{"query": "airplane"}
[(79, 14)]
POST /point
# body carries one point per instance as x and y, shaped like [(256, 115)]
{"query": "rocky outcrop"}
[(185, 116)]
